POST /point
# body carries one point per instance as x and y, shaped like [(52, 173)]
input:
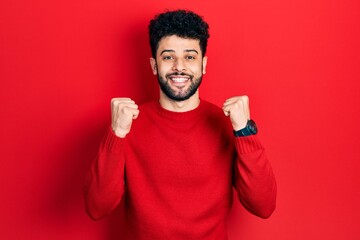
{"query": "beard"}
[(183, 95)]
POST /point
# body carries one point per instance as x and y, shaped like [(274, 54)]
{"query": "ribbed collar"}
[(179, 115)]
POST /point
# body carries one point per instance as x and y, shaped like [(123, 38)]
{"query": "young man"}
[(175, 160)]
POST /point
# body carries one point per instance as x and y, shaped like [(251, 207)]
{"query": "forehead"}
[(178, 44)]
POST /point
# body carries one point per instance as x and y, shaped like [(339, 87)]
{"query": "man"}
[(176, 159)]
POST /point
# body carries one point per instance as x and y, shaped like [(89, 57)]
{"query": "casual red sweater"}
[(176, 172)]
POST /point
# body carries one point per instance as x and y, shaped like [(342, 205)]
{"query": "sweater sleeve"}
[(254, 180), (104, 183)]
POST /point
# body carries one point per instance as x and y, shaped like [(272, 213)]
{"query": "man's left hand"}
[(237, 108)]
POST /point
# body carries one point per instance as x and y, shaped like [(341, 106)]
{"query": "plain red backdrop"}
[(62, 61)]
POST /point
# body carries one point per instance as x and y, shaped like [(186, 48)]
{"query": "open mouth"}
[(179, 79)]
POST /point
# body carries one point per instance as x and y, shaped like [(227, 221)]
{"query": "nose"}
[(179, 65)]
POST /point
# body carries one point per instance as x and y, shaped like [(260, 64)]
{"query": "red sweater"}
[(176, 172)]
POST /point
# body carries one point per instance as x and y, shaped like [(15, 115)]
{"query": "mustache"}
[(178, 74)]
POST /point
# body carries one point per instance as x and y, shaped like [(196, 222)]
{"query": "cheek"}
[(162, 72), (164, 68), (196, 69)]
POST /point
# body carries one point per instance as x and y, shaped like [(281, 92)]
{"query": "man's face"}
[(179, 65)]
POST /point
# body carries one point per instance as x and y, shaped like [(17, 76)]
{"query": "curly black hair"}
[(182, 23)]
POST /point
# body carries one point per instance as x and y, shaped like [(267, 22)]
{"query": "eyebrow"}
[(166, 50), (186, 50), (191, 50)]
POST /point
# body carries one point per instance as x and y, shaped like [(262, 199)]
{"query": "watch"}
[(249, 129)]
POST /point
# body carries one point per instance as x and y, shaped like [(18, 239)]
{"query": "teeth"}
[(179, 79)]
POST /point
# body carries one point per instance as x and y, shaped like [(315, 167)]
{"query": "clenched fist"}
[(123, 112), (238, 110)]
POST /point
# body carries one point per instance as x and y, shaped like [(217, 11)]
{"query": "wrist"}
[(237, 127), (120, 133), (249, 129)]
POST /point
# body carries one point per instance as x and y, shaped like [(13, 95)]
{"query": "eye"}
[(168, 57), (190, 57)]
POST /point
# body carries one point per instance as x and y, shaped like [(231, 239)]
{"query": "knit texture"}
[(176, 172)]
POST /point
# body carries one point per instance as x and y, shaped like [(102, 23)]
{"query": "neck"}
[(179, 106)]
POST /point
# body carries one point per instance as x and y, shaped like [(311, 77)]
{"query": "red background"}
[(62, 61)]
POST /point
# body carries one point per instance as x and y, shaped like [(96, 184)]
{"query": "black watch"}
[(249, 129)]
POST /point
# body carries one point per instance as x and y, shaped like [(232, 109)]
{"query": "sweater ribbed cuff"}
[(112, 142), (247, 144)]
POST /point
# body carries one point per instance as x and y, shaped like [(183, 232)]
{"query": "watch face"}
[(252, 126)]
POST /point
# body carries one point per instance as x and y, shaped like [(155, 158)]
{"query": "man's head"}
[(178, 42), (182, 23)]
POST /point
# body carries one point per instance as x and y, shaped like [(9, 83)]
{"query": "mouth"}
[(179, 80)]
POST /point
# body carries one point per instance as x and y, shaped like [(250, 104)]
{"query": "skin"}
[(177, 55)]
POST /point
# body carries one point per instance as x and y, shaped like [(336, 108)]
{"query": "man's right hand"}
[(123, 112)]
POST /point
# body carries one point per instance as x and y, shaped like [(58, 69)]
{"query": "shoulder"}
[(147, 104), (211, 108), (213, 111), (214, 117)]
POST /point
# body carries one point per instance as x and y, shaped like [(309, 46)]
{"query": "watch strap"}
[(249, 129), (242, 132)]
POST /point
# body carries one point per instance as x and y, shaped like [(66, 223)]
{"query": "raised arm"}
[(104, 184), (254, 180)]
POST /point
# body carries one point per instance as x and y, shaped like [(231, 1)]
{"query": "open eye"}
[(190, 57), (167, 57)]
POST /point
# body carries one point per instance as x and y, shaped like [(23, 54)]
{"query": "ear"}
[(153, 65), (204, 62)]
